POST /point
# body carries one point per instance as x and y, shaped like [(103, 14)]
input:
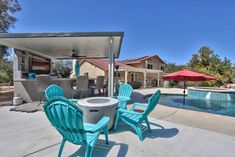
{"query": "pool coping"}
[(222, 90), (201, 112)]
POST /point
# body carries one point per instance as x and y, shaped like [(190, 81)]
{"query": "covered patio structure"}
[(126, 72), (144, 72), (35, 51)]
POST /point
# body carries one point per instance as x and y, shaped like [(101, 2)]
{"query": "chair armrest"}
[(74, 100), (122, 98), (128, 111), (115, 97), (89, 127), (138, 104)]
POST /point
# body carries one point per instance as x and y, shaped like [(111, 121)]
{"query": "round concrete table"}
[(94, 108)]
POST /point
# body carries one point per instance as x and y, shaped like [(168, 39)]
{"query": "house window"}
[(134, 77), (162, 68), (117, 74), (149, 66)]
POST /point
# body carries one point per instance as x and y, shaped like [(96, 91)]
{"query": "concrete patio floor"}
[(30, 134)]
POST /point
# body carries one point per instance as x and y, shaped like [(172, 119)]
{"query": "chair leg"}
[(139, 132), (88, 151), (74, 94), (61, 147), (40, 98), (148, 125), (92, 91), (106, 132), (100, 93), (116, 121)]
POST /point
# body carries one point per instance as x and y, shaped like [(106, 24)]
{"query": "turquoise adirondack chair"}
[(134, 119), (55, 90), (123, 97), (67, 118)]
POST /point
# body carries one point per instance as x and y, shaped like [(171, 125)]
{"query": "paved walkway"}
[(30, 134)]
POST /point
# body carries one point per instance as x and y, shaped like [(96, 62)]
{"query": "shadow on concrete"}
[(158, 131), (42, 149), (137, 97), (102, 149), (161, 133)]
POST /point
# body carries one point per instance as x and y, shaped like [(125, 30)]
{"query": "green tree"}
[(194, 60), (172, 67), (205, 54), (7, 9), (63, 67), (208, 62)]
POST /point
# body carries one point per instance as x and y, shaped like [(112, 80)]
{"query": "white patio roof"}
[(61, 45)]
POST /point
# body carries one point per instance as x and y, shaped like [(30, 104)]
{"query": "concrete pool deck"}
[(202, 120), (30, 134)]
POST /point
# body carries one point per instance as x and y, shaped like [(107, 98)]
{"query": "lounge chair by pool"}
[(135, 119)]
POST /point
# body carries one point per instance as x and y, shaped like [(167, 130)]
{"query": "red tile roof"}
[(103, 64), (138, 60)]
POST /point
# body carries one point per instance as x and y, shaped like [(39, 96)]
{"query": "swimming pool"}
[(204, 105)]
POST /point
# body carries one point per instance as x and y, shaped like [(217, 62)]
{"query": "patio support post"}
[(145, 79), (51, 69), (158, 79), (111, 67), (126, 73)]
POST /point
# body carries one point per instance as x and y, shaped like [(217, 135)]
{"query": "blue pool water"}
[(191, 103)]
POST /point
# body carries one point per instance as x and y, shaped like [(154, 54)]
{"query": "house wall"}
[(92, 70), (140, 76), (155, 61), (151, 78)]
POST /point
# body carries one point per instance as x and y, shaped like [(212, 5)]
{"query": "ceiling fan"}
[(74, 55)]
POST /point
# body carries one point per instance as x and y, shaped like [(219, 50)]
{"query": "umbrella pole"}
[(184, 92)]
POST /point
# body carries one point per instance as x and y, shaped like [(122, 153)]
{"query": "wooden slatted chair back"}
[(67, 118)]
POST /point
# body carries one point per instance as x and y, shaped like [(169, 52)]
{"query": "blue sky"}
[(172, 29)]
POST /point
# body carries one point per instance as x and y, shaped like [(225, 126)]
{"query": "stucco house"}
[(145, 71)]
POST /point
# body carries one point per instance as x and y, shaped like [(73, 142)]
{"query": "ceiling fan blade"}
[(75, 55), (64, 58)]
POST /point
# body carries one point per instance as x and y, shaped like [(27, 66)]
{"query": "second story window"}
[(149, 66), (162, 68)]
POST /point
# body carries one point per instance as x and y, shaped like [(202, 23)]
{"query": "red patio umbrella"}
[(187, 75)]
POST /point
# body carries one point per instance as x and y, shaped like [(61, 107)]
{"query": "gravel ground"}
[(6, 95)]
